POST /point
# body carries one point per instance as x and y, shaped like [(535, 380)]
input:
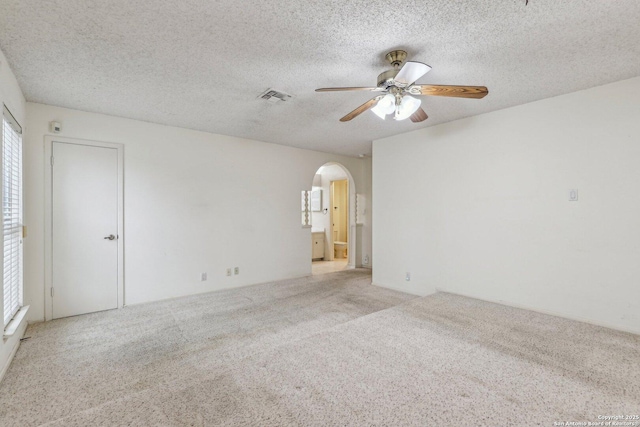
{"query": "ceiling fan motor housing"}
[(386, 79), (395, 58)]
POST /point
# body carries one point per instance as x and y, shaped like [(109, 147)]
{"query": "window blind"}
[(12, 214)]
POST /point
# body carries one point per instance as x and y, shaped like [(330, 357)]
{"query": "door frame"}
[(332, 250), (48, 216), (347, 225), (353, 259)]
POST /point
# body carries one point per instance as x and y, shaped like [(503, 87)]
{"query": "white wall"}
[(365, 214), (194, 202), (480, 206), (11, 96)]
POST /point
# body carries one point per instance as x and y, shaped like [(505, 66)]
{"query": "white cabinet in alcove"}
[(317, 245)]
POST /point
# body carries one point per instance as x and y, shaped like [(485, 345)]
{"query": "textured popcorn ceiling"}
[(200, 64)]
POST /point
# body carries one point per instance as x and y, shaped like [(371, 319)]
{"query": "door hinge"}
[(52, 292), (51, 160)]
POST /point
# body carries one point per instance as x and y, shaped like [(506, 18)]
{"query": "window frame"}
[(13, 231)]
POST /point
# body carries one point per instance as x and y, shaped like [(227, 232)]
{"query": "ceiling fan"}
[(396, 87)]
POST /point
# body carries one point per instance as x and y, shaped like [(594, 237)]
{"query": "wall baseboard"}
[(5, 368), (17, 336), (403, 290), (547, 312), (224, 288), (520, 306)]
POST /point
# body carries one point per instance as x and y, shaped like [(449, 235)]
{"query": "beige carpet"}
[(326, 350), (324, 267)]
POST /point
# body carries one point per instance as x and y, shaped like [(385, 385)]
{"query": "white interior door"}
[(84, 209)]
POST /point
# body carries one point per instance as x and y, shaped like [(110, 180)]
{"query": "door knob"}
[(110, 237)]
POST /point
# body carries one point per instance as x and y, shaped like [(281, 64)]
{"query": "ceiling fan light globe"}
[(385, 106), (389, 103), (407, 107), (379, 113)]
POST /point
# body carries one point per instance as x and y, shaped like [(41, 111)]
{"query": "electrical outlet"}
[(573, 195), (407, 277), (228, 272), (236, 270), (366, 260), (203, 277)]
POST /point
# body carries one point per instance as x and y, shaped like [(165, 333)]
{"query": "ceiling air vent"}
[(274, 96)]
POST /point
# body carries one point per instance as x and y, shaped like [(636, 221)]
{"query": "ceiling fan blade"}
[(476, 92), (361, 109), (337, 89), (410, 72), (419, 116)]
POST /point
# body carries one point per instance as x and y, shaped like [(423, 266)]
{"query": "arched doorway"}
[(333, 219)]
